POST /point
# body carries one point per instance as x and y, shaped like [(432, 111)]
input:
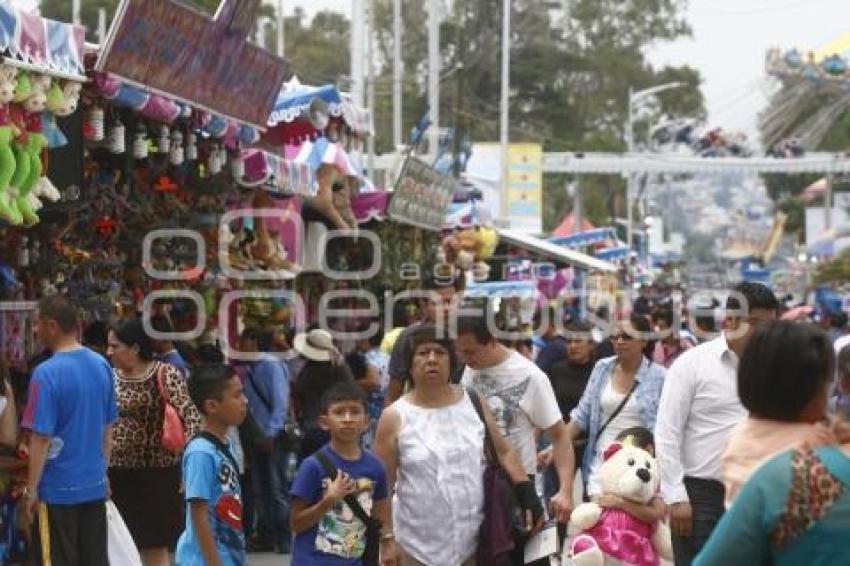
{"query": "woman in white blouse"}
[(432, 443)]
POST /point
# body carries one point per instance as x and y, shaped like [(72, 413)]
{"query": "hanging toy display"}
[(8, 205), (164, 144), (94, 128), (213, 164), (117, 140), (237, 165), (176, 154), (28, 144), (192, 147), (140, 143)]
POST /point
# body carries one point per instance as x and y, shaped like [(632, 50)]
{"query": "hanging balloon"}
[(140, 143), (94, 124), (176, 155), (192, 147), (117, 141), (164, 140)]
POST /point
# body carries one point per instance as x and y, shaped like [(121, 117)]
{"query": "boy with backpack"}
[(340, 507), (213, 535)]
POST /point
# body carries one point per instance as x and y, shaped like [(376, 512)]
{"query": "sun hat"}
[(316, 345)]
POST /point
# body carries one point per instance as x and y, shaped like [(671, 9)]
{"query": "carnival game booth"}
[(41, 75)]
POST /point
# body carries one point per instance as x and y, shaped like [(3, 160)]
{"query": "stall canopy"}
[(614, 253), (556, 252), (586, 238), (502, 289)]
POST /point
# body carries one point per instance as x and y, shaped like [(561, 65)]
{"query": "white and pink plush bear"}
[(613, 536)]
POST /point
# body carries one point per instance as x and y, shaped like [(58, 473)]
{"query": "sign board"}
[(170, 48), (421, 196), (525, 187), (525, 182)]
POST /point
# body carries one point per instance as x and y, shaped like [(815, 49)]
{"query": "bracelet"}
[(387, 536)]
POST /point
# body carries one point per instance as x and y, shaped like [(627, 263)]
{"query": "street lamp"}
[(636, 98)]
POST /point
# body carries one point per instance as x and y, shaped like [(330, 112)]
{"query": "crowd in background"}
[(547, 402)]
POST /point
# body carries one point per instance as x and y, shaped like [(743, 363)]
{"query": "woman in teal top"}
[(794, 510)]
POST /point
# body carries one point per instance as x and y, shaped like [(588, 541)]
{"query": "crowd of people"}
[(396, 450)]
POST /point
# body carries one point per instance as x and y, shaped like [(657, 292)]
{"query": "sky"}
[(729, 42)]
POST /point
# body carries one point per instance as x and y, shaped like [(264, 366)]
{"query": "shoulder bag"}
[(496, 536), (173, 431)]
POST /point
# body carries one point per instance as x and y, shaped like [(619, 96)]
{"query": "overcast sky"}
[(728, 45), (730, 38)]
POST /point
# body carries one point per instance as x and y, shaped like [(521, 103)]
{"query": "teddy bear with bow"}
[(612, 535)]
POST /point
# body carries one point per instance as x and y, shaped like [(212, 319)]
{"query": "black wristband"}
[(528, 500)]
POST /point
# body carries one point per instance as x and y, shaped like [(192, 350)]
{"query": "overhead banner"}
[(170, 48), (422, 196), (525, 187), (38, 44)]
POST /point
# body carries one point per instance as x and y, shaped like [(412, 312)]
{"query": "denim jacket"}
[(588, 413)]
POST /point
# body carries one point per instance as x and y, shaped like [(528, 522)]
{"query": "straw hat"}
[(316, 345)]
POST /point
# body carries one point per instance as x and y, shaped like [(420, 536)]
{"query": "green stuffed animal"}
[(8, 87), (27, 146)]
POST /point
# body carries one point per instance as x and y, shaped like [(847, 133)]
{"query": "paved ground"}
[(269, 559)]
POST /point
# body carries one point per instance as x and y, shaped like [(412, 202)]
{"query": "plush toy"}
[(469, 249), (608, 535), (8, 205), (27, 145)]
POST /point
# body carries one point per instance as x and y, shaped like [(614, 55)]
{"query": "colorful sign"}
[(170, 48), (525, 187), (38, 44), (422, 196)]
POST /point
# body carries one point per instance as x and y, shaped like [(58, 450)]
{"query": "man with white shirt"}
[(522, 400), (699, 408)]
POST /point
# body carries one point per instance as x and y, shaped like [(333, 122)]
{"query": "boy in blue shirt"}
[(213, 535), (328, 531)]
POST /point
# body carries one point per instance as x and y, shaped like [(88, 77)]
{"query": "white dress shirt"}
[(699, 408)]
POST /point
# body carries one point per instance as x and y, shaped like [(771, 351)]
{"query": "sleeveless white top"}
[(438, 504)]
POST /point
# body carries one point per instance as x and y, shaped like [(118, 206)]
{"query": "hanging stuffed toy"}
[(27, 146), (469, 249), (8, 204)]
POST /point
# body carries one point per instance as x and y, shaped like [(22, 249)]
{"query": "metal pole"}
[(357, 59), (261, 32), (434, 77), (75, 12), (504, 137), (370, 27), (397, 73), (827, 202), (630, 177), (101, 25), (578, 206), (281, 22)]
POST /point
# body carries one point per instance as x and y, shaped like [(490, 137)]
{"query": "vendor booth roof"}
[(553, 251), (613, 163), (502, 289), (297, 98), (586, 238)]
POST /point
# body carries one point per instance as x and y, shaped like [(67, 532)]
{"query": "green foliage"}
[(835, 271)]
